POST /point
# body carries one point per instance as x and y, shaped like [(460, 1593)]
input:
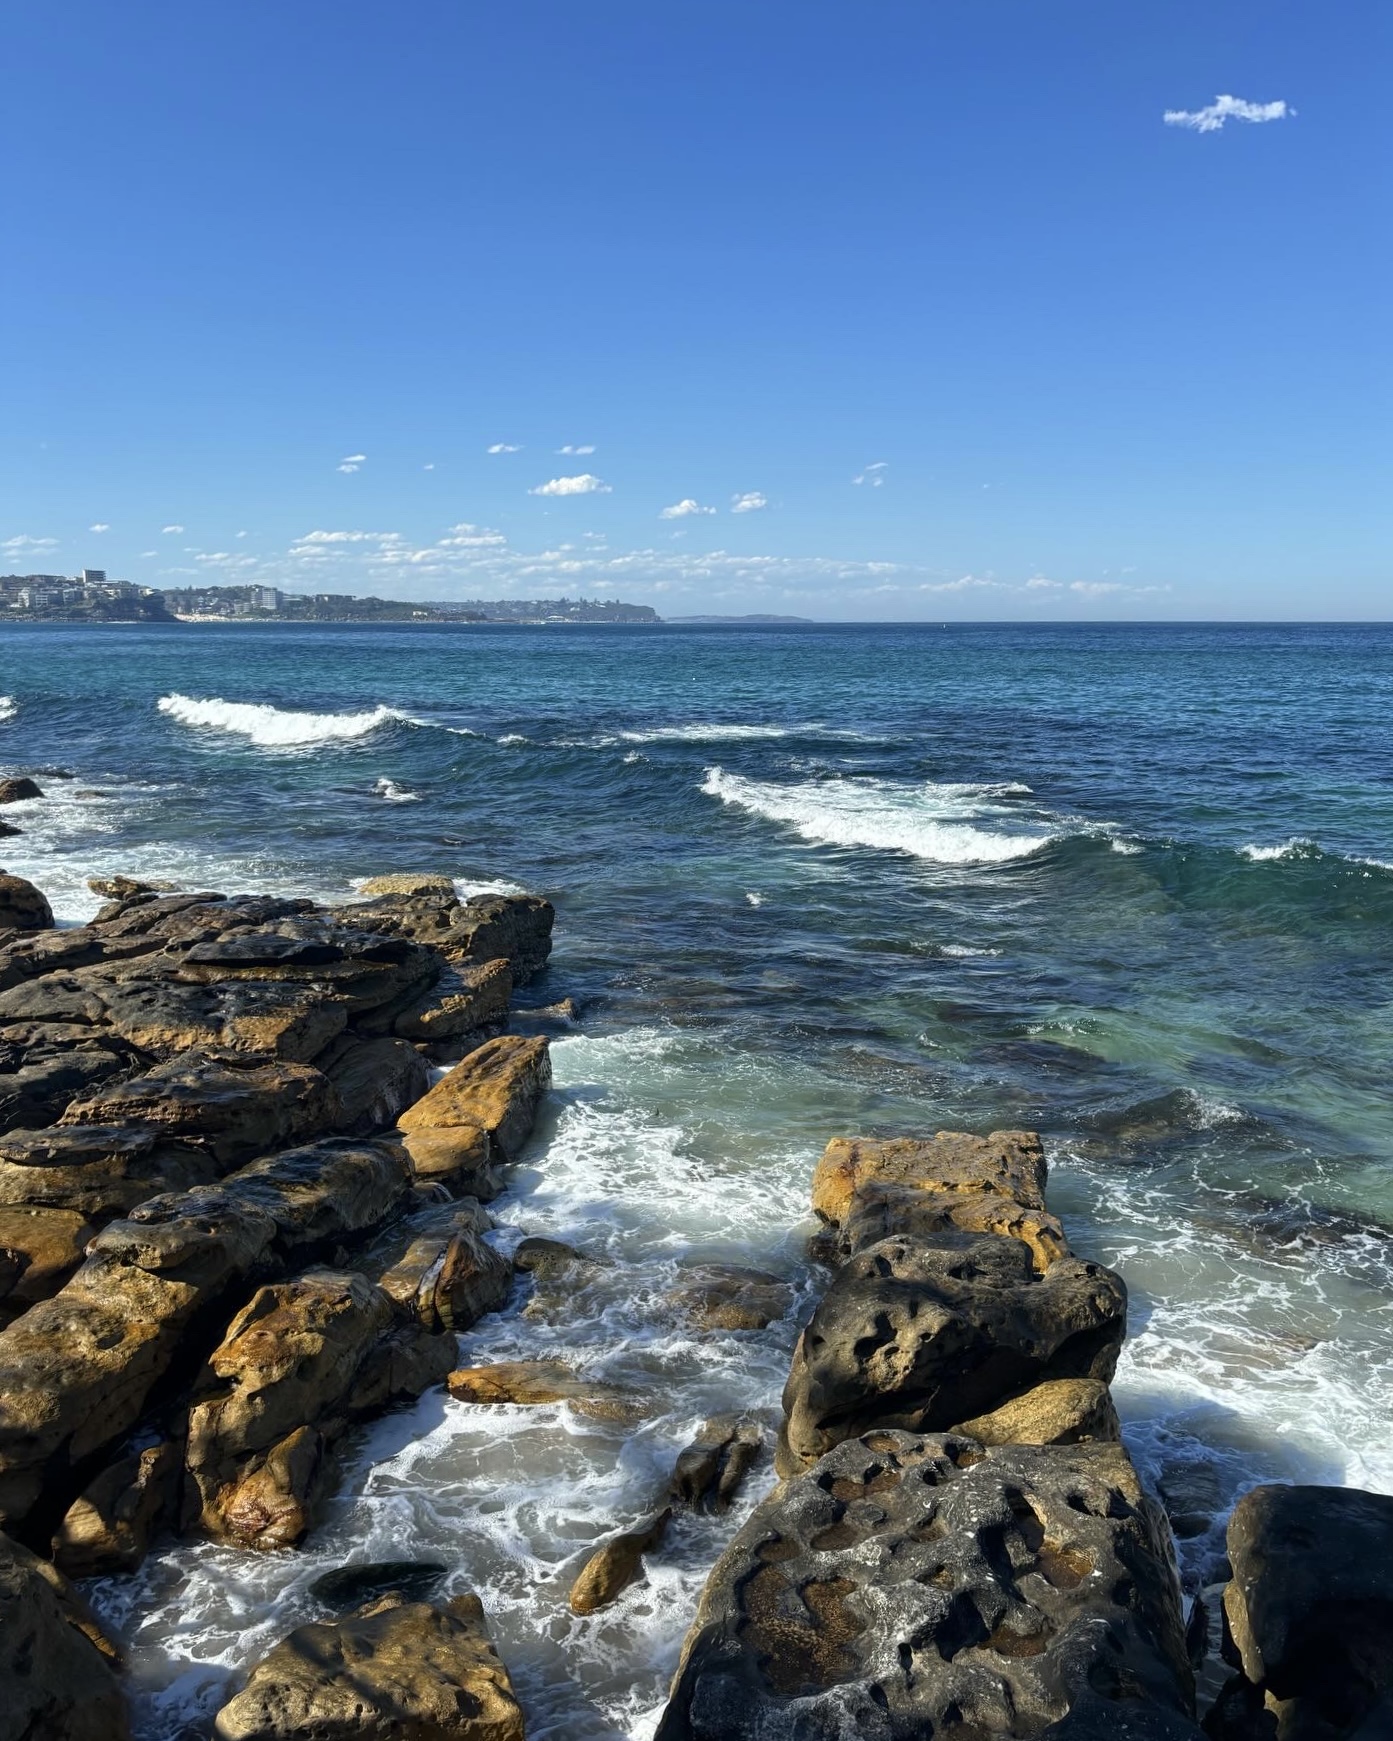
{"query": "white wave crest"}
[(936, 823), (715, 732), (1297, 847), (275, 727), (9, 707), (391, 793)]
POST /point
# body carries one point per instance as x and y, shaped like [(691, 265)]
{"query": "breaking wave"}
[(9, 707), (944, 824), (275, 727)]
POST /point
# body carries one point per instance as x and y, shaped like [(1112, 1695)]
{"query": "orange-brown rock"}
[(449, 1278), (1007, 1163), (1061, 1411), (481, 1113), (728, 1296), (615, 1565), (880, 1208), (531, 1382), (109, 1527)]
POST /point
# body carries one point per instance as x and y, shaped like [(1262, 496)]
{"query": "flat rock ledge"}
[(217, 1252)]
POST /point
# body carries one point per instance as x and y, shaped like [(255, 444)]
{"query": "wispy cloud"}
[(587, 484), (680, 510), (99, 526), (874, 474), (24, 542), (241, 534), (353, 462), (748, 503), (168, 529), (505, 447), (590, 448), (1222, 109)]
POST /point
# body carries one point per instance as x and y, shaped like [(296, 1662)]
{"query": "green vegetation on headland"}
[(92, 598)]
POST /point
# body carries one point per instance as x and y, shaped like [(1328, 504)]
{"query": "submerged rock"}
[(913, 1586), (404, 1671), (921, 1334), (530, 1382), (721, 1296), (367, 1581), (709, 1472), (613, 1567), (57, 1674)]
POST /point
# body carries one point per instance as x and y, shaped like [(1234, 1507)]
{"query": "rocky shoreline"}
[(246, 1146)]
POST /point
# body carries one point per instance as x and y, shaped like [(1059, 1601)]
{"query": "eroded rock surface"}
[(480, 1114), (910, 1586), (56, 1682)]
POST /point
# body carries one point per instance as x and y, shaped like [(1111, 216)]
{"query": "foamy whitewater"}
[(1061, 878)]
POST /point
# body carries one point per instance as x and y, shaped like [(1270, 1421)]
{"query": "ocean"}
[(1129, 885)]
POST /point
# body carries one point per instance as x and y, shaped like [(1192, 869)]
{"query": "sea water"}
[(1131, 886)]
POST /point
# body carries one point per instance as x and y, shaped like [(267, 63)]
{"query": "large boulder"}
[(22, 906), (512, 928), (914, 1586), (108, 1528), (57, 1677), (924, 1333), (480, 1114), (298, 1363), (463, 1001), (375, 1080), (17, 788), (449, 1277), (1007, 1163), (398, 1671), (1310, 1613)]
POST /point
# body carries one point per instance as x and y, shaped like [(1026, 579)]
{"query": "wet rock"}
[(709, 1472), (409, 884), (9, 828), (39, 1250), (912, 1586), (56, 1682), (109, 1528), (376, 1081), (22, 906), (164, 1018), (920, 1334), (463, 1001), (15, 791), (480, 1114), (320, 1194), (617, 1564), (1062, 1411), (528, 1382), (368, 1581), (1310, 1608), (512, 928), (399, 1672), (237, 1107), (121, 888), (293, 1370), (551, 1260), (881, 1209), (98, 1170), (449, 1279), (47, 1086), (728, 1297), (1007, 1163)]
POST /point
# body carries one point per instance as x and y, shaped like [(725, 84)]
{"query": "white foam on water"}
[(465, 887), (1297, 847), (944, 824), (1128, 848), (391, 793), (278, 728), (714, 732), (963, 949), (754, 897), (9, 707), (514, 737)]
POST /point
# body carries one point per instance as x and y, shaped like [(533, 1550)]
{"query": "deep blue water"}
[(1130, 885)]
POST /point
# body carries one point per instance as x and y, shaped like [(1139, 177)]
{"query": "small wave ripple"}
[(275, 727), (944, 824)]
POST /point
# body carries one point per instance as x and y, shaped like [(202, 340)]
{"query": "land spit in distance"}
[(240, 1220)]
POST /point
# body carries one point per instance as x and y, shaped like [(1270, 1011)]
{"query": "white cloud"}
[(1223, 109), (241, 534), (353, 462), (429, 466), (149, 553), (168, 529), (569, 449), (25, 542), (99, 526), (680, 510), (504, 447), (1038, 583), (749, 503), (873, 474), (587, 484)]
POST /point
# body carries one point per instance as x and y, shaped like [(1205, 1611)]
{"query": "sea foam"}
[(941, 824), (275, 727), (9, 707)]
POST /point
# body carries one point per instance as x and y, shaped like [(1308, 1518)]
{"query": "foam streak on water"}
[(274, 727)]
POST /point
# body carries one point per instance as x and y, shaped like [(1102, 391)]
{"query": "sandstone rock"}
[(109, 1528), (408, 884), (514, 928), (98, 1170), (1008, 1163), (461, 1002), (708, 1473), (922, 1333), (529, 1382), (399, 1672), (375, 1080), (22, 906), (908, 1587), (122, 888), (42, 1247), (43, 1089), (237, 1107), (56, 1684), (292, 1364), (1310, 1608), (880, 1209), (1062, 1411), (368, 1581), (449, 1279), (14, 791), (729, 1297), (164, 1018), (480, 1114), (322, 1193), (551, 1260), (614, 1566)]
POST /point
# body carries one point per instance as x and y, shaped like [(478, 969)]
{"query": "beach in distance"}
[(1127, 885)]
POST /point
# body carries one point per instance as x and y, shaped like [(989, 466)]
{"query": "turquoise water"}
[(1130, 885)]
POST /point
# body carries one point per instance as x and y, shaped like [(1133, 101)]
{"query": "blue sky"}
[(280, 276)]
